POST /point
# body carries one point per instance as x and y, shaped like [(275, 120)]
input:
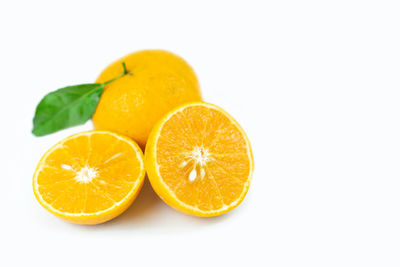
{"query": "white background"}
[(315, 84)]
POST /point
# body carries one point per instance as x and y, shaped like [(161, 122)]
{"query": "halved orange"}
[(89, 177), (199, 160)]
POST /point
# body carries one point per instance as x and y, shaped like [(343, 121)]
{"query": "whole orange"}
[(157, 81)]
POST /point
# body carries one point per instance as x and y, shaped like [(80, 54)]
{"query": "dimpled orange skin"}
[(157, 82)]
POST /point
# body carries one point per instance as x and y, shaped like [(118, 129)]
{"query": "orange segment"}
[(90, 177), (199, 160)]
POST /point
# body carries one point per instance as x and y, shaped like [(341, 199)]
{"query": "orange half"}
[(199, 160), (89, 177)]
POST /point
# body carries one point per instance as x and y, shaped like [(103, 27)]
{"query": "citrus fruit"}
[(90, 177), (199, 160), (157, 81)]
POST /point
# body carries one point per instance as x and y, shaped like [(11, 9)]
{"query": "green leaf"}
[(66, 107)]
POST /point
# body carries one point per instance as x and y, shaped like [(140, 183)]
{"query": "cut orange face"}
[(90, 177), (199, 160)]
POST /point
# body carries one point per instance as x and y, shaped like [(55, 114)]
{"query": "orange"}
[(90, 177), (199, 160), (157, 81)]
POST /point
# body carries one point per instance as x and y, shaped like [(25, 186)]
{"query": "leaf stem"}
[(123, 65), (119, 76)]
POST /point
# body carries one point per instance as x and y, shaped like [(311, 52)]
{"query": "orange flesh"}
[(203, 158), (113, 164)]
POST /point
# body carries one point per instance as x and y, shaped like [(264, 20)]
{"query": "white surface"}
[(315, 84)]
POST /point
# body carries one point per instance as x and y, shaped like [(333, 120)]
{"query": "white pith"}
[(85, 175), (198, 157)]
